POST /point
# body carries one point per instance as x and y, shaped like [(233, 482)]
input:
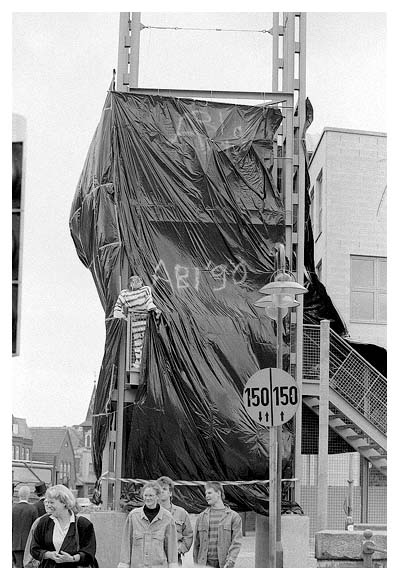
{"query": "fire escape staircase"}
[(357, 395)]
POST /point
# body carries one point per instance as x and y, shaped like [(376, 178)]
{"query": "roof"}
[(89, 413), (342, 130), (47, 442), (23, 430), (76, 438)]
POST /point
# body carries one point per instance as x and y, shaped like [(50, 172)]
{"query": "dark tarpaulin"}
[(182, 190)]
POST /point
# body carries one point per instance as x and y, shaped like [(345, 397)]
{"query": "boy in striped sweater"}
[(135, 301)]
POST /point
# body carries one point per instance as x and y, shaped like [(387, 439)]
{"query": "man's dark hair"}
[(217, 486)]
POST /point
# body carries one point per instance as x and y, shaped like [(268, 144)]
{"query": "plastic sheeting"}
[(181, 190)]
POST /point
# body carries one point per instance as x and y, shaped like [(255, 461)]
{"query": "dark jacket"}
[(40, 507), (23, 515), (42, 541)]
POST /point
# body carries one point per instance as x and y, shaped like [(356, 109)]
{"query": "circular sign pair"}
[(271, 397)]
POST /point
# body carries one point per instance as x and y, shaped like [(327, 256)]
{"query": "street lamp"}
[(281, 295)]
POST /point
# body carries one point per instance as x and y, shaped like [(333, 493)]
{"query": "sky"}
[(62, 65)]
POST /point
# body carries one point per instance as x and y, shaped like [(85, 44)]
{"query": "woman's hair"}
[(63, 494), (154, 485), (217, 486)]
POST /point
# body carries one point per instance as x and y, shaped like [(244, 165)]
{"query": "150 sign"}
[(271, 397)]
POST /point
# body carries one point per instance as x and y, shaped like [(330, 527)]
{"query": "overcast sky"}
[(62, 68)]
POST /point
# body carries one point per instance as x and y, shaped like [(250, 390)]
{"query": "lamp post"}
[(281, 295)]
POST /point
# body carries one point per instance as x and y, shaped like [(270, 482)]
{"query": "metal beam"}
[(277, 96)]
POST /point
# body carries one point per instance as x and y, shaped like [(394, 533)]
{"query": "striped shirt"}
[(139, 300), (216, 515)]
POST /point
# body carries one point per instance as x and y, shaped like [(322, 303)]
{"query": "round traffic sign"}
[(271, 397)]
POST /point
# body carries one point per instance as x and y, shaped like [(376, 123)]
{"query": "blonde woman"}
[(60, 538)]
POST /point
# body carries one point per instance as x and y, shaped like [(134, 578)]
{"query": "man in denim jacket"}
[(149, 535), (218, 531), (184, 529)]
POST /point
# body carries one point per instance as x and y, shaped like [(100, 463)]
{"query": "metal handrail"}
[(346, 345), (350, 375)]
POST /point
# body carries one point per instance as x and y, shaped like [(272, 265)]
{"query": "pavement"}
[(246, 558)]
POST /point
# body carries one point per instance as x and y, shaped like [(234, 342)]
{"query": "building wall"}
[(21, 448), (353, 165), (66, 464)]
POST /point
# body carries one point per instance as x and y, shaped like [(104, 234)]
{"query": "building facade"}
[(54, 445), (348, 207), (22, 442), (86, 477)]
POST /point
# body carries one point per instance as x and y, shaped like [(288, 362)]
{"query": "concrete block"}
[(345, 545), (295, 541), (337, 564), (108, 526)]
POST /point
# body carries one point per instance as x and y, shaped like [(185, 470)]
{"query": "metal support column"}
[(322, 497), (128, 50), (289, 74)]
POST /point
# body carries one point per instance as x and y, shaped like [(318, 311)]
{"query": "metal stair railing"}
[(350, 375)]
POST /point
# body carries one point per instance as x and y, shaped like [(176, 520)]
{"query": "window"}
[(318, 204), (15, 429), (27, 454), (87, 441), (312, 207), (13, 452), (17, 452), (368, 289)]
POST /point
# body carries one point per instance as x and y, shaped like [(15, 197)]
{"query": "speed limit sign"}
[(271, 397)]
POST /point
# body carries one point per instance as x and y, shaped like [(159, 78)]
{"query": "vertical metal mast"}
[(128, 50), (289, 74)]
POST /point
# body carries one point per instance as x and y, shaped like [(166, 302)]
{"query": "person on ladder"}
[(136, 301)]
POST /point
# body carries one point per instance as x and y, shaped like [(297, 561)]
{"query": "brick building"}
[(348, 205), (54, 445), (22, 442), (86, 477)]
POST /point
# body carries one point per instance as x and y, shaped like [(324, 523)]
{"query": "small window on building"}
[(87, 441), (368, 289), (16, 452), (13, 452), (312, 207), (318, 203), (15, 429), (27, 454)]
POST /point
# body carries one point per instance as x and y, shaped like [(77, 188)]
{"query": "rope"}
[(264, 31), (194, 482)]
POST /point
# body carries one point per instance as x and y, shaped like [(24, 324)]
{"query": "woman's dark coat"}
[(42, 541)]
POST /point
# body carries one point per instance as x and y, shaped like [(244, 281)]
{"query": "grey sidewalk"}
[(246, 558)]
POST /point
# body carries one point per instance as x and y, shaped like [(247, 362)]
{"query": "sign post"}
[(271, 397)]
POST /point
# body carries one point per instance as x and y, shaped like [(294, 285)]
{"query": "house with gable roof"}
[(55, 446)]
